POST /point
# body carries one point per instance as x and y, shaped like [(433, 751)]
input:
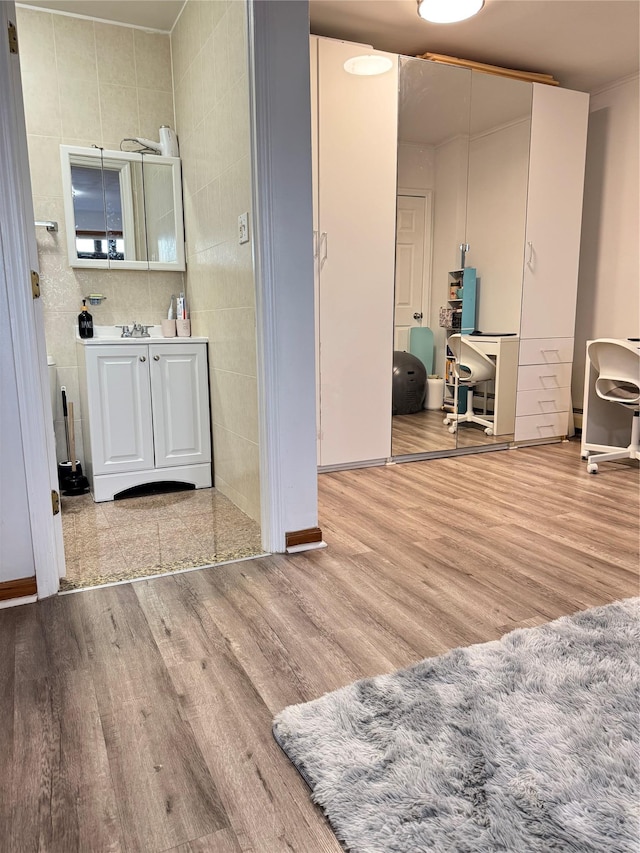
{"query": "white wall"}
[(608, 291), (416, 166)]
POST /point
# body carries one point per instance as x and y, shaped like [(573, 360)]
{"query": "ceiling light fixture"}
[(448, 11), (368, 64)]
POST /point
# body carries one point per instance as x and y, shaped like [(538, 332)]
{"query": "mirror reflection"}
[(123, 209), (463, 149)]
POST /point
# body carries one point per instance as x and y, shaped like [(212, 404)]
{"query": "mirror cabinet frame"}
[(95, 157)]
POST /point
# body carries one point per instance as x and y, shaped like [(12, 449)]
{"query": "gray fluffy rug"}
[(528, 744)]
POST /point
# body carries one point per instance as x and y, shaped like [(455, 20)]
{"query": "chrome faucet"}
[(139, 330)]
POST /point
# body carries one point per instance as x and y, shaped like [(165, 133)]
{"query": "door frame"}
[(427, 259), (27, 346)]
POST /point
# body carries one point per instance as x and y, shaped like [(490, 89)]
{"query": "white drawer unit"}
[(146, 414), (537, 377), (541, 427), (546, 351), (544, 402)]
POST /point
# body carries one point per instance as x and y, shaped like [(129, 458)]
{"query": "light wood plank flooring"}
[(424, 432), (138, 717)]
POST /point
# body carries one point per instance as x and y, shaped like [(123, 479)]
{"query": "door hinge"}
[(55, 502), (12, 35), (35, 284)]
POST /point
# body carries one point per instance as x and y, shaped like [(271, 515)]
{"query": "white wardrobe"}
[(355, 133)]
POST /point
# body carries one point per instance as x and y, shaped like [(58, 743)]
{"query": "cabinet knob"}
[(143, 358), (156, 358)]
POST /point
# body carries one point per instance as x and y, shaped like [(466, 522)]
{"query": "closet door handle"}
[(322, 248)]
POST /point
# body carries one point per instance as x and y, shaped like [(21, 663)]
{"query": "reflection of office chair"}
[(471, 366), (618, 381)]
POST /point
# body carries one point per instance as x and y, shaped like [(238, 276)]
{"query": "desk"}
[(504, 350), (606, 427)]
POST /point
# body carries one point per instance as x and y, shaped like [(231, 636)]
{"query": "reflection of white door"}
[(410, 265)]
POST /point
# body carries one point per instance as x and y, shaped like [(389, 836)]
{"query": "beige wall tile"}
[(153, 61), (35, 37), (115, 55), (234, 404), (119, 111), (50, 242), (232, 340), (79, 107), (41, 102), (236, 32), (44, 165), (155, 108), (75, 48)]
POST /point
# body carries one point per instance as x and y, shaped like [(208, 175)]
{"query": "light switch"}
[(243, 228)]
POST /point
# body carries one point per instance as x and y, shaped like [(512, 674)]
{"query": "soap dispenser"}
[(85, 322)]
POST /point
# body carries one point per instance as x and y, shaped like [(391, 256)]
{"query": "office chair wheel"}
[(446, 421), (592, 468), (453, 429), (488, 431)]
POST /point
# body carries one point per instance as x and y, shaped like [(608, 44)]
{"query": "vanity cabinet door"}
[(119, 399), (180, 395)]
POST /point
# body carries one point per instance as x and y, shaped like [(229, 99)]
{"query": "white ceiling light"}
[(448, 11), (368, 64)]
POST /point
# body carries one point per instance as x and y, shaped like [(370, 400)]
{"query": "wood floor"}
[(138, 717), (425, 432)]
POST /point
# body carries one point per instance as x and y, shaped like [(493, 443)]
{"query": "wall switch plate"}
[(243, 228)]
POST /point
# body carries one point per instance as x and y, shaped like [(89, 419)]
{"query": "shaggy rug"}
[(528, 744)]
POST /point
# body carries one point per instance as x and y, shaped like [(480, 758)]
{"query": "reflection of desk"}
[(606, 427), (505, 352)]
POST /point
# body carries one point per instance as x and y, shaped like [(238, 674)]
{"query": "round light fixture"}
[(368, 65), (448, 11)]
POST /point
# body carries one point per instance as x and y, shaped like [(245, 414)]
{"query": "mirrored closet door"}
[(463, 155)]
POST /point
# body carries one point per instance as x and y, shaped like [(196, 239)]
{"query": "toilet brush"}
[(76, 483)]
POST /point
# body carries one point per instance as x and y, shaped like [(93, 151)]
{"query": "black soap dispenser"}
[(85, 322)]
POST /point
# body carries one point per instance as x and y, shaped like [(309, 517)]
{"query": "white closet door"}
[(554, 212), (357, 133)]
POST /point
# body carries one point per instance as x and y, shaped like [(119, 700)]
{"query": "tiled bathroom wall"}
[(209, 51), (88, 83)]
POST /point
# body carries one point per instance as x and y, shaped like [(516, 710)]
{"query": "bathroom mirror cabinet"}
[(123, 210)]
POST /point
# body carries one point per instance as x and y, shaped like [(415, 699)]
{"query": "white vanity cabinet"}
[(146, 414)]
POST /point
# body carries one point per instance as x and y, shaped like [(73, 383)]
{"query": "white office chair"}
[(618, 381), (471, 366)]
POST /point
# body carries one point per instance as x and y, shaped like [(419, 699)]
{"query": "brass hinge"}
[(55, 502), (13, 37), (35, 284)]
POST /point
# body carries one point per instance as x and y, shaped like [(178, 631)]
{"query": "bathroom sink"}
[(113, 335)]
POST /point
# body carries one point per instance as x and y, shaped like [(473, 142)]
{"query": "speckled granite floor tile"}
[(153, 534)]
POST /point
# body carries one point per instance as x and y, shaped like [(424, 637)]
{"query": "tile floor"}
[(140, 536)]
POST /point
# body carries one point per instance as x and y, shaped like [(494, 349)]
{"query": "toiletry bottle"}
[(85, 322)]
